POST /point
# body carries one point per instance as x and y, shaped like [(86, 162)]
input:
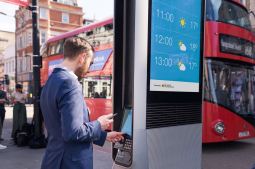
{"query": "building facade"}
[(55, 17), (250, 4), (9, 66), (6, 39)]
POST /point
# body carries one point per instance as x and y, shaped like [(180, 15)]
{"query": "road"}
[(232, 155)]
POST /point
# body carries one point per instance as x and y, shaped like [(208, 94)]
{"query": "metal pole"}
[(38, 132)]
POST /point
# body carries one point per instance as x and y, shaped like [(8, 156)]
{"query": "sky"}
[(91, 8), (7, 22), (105, 9)]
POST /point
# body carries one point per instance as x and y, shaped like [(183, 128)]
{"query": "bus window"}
[(97, 87), (55, 48), (230, 86), (89, 33), (43, 50), (109, 27), (227, 12)]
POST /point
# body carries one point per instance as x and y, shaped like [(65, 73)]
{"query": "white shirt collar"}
[(68, 70)]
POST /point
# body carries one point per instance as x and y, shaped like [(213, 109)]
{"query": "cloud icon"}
[(183, 47), (182, 67)]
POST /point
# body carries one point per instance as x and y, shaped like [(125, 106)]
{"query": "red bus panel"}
[(236, 128)]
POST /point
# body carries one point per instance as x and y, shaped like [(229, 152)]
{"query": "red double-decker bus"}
[(97, 84), (229, 73)]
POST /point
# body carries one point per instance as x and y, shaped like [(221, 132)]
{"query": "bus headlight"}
[(219, 127)]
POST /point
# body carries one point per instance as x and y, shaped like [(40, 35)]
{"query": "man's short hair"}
[(76, 45)]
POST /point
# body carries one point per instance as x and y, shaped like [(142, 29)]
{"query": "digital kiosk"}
[(158, 83)]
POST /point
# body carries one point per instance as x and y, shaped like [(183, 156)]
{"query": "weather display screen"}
[(175, 45)]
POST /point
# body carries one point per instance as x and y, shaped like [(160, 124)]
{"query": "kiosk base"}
[(167, 147)]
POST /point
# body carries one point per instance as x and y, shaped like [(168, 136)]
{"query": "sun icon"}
[(180, 43), (183, 22)]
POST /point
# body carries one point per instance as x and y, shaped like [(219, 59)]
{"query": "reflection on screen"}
[(126, 126)]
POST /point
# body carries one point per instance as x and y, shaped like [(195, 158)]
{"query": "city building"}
[(252, 10), (55, 17), (250, 4), (6, 39), (9, 67)]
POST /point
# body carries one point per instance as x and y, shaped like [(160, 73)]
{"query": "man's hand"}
[(114, 136), (105, 121)]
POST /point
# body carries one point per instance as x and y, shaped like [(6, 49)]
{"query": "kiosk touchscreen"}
[(126, 126)]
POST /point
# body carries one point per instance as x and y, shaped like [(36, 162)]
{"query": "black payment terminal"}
[(124, 148)]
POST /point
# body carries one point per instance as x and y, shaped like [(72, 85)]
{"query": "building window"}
[(13, 66), (67, 2), (243, 2), (24, 40), (29, 36), (9, 67), (5, 67), (24, 64), (43, 13), (65, 18), (20, 42), (43, 37)]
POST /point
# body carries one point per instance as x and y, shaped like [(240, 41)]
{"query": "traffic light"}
[(6, 79)]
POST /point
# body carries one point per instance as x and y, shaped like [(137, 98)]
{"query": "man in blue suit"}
[(70, 133)]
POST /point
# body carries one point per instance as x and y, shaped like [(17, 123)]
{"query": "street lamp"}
[(2, 13)]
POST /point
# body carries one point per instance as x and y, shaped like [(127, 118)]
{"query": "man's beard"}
[(80, 72)]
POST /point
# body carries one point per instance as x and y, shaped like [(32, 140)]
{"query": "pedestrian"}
[(19, 110), (3, 100), (70, 132)]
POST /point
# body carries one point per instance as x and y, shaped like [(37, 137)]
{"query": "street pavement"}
[(25, 158), (231, 155)]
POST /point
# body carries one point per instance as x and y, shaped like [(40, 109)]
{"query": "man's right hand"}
[(105, 121)]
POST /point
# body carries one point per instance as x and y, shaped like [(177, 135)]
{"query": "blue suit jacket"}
[(70, 133)]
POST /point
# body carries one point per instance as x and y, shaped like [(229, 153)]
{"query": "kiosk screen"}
[(126, 126), (175, 45)]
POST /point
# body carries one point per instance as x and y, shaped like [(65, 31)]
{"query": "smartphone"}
[(115, 114)]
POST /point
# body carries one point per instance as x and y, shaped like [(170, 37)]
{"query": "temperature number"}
[(193, 47), (194, 25), (192, 65)]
